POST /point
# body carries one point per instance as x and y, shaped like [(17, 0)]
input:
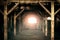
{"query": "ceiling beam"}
[(30, 1), (45, 8), (13, 8)]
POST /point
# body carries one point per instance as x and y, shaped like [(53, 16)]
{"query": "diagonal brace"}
[(19, 13), (57, 11), (13, 8), (45, 8)]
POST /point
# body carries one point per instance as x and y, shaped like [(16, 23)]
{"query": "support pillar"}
[(14, 24), (52, 20), (46, 28), (43, 25), (5, 21)]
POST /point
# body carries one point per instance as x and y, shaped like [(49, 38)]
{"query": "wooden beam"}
[(46, 28), (45, 8), (14, 24), (52, 20), (13, 8), (5, 21), (15, 16), (19, 13), (2, 12), (30, 1), (57, 11)]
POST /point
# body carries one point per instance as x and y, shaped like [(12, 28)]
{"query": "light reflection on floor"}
[(30, 34)]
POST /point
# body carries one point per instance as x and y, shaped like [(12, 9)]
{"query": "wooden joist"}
[(5, 22), (30, 1)]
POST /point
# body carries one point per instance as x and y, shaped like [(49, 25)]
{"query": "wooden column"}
[(14, 24), (15, 16), (5, 21), (46, 30), (43, 25), (52, 20)]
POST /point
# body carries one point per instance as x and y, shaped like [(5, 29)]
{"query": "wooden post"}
[(5, 21), (43, 25), (46, 30), (14, 24), (52, 20), (15, 16)]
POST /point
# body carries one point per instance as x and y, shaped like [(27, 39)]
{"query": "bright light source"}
[(32, 20), (49, 18)]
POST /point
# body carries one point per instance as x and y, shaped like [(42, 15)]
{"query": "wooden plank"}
[(45, 8), (57, 11), (5, 21), (13, 8), (52, 20)]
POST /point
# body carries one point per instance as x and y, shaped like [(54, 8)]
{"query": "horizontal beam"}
[(45, 8), (30, 1), (13, 8), (57, 11), (19, 13)]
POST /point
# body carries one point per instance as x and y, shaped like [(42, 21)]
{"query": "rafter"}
[(57, 11), (13, 8), (45, 8)]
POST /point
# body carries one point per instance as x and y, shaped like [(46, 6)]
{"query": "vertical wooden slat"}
[(44, 8), (5, 21), (14, 24), (43, 25), (46, 30), (52, 20)]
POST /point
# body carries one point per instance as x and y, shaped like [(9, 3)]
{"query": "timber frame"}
[(5, 13)]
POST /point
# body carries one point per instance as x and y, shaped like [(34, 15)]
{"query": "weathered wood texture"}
[(52, 20)]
